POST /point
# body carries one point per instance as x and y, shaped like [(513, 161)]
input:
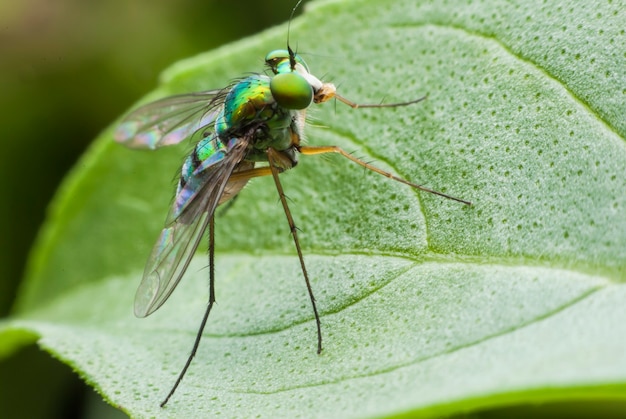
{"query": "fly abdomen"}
[(194, 171)]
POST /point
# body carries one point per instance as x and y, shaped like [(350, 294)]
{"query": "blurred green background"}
[(68, 68)]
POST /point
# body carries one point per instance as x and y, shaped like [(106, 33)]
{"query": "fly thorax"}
[(280, 141), (250, 99)]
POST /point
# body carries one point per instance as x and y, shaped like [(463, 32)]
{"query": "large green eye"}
[(291, 91)]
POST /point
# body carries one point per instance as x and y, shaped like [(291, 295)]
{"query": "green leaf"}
[(428, 307)]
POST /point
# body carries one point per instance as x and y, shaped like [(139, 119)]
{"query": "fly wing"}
[(170, 120), (179, 239)]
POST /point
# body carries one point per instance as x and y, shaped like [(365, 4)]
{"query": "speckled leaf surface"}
[(428, 307)]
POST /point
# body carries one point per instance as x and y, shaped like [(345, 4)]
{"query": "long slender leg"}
[(355, 105), (312, 150), (206, 313), (273, 160), (249, 174)]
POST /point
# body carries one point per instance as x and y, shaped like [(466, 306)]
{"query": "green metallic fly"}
[(258, 119)]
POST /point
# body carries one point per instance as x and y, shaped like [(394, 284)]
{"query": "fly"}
[(249, 129)]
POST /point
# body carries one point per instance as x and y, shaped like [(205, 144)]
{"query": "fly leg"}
[(354, 105), (313, 150), (196, 343), (278, 162)]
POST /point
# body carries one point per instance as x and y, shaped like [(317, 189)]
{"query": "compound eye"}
[(291, 91)]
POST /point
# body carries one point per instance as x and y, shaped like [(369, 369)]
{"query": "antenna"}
[(292, 59)]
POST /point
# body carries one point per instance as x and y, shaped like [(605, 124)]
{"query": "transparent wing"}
[(194, 185), (170, 120), (179, 239)]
